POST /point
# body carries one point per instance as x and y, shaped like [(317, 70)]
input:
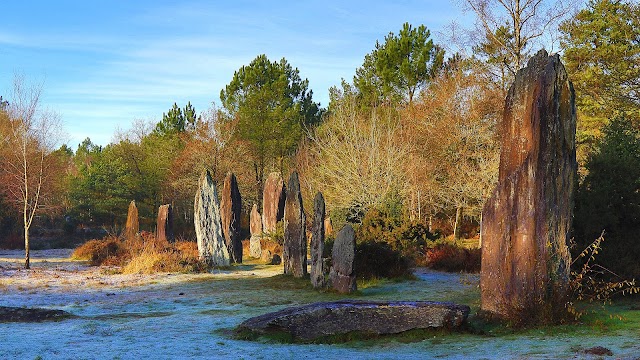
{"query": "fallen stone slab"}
[(19, 314), (324, 319)]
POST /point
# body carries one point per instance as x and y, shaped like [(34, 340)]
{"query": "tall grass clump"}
[(142, 255)]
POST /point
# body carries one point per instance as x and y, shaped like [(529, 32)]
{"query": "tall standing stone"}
[(132, 228), (328, 226), (317, 242), (230, 209), (164, 225), (294, 250), (273, 198), (342, 275), (527, 220), (208, 225), (255, 227)]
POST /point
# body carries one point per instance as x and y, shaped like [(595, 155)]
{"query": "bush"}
[(97, 252), (452, 258), (608, 198), (406, 237), (379, 260), (145, 255)]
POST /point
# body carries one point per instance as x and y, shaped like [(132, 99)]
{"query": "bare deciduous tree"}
[(357, 158), (29, 135), (454, 158), (514, 26)]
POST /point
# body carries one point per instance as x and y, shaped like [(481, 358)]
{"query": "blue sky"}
[(105, 64)]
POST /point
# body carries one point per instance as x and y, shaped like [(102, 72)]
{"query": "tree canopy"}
[(602, 56), (176, 120), (395, 71), (270, 105)]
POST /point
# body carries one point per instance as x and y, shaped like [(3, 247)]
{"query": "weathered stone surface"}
[(255, 227), (255, 248), (208, 226), (164, 225), (328, 226), (230, 209), (273, 198), (342, 275), (294, 250), (318, 320), (526, 222), (18, 314), (255, 221), (317, 243), (132, 228)]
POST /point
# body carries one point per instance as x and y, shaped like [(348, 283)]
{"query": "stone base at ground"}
[(18, 314), (313, 321)]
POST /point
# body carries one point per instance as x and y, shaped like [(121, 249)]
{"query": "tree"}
[(397, 70), (609, 197), (454, 160), (29, 135), (493, 51), (176, 120), (602, 55), (270, 105), (512, 27), (355, 158)]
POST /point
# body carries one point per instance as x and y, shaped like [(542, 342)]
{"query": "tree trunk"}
[(480, 240), (26, 248), (456, 226)]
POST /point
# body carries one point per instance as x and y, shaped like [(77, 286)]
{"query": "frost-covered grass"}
[(191, 316)]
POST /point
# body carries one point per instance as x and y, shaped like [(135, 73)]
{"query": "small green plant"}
[(278, 235)]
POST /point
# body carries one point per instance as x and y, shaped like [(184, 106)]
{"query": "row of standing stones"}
[(217, 225), (526, 221), (164, 223)]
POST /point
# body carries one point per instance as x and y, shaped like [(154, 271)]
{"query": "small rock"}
[(599, 350), (17, 314)]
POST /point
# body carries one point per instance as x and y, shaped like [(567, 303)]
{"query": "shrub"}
[(379, 260), (406, 237), (145, 255), (97, 252), (449, 257)]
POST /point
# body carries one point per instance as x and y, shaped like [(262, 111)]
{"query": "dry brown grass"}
[(107, 251), (142, 255)]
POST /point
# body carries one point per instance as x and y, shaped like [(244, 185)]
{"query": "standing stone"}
[(317, 242), (255, 227), (132, 228), (230, 209), (527, 220), (164, 225), (342, 275), (294, 250), (328, 226), (273, 198), (208, 225)]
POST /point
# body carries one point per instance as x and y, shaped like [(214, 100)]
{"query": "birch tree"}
[(29, 134)]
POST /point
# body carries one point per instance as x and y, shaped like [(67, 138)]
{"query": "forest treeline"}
[(412, 136)]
